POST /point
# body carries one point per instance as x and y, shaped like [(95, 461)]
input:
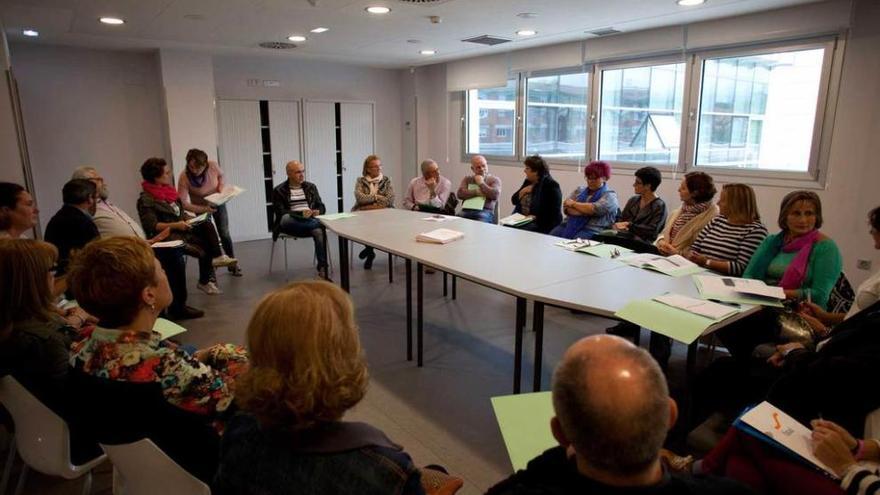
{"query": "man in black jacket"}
[(613, 411), (72, 226), (296, 204)]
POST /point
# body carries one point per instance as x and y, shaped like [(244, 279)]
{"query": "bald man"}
[(430, 191), (480, 183), (296, 204), (613, 411)]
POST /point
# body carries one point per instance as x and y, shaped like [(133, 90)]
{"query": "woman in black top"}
[(538, 197)]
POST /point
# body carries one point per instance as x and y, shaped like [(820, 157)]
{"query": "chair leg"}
[(87, 484), (272, 255), (445, 284), (286, 277), (390, 268), (22, 477), (7, 469), (454, 278)]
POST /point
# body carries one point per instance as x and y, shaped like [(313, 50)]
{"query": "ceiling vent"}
[(603, 32), (424, 2), (486, 40), (277, 45)]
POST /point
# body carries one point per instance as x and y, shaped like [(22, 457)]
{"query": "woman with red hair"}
[(591, 209)]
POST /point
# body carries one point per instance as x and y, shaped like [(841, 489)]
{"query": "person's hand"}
[(161, 236), (666, 248), (776, 360), (621, 226), (848, 439), (568, 203), (479, 180), (817, 326), (830, 447), (202, 355), (181, 225), (697, 258), (524, 191), (308, 213), (315, 213), (431, 183)]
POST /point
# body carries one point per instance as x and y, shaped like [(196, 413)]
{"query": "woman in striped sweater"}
[(728, 242)]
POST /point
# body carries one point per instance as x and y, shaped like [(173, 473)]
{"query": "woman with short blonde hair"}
[(372, 191), (307, 370)]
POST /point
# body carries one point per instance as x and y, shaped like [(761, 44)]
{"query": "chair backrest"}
[(141, 468), (41, 436), (842, 296), (872, 424)]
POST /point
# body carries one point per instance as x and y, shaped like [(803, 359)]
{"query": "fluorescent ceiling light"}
[(378, 10), (428, 52), (115, 21), (30, 32), (320, 30), (296, 38), (690, 3), (526, 32)]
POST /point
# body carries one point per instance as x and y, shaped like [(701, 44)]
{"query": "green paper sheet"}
[(336, 216), (167, 328), (524, 420), (674, 323), (737, 298), (475, 203), (605, 250)]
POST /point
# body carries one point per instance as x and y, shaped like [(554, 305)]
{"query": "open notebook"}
[(221, 198)]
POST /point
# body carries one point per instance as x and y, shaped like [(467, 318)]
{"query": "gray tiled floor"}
[(441, 412)]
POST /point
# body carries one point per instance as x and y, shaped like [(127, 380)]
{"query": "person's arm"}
[(316, 203), (606, 205), (463, 191), (568, 204), (147, 213), (649, 225), (746, 249), (826, 264), (279, 203), (551, 203), (491, 192), (193, 386), (386, 195), (515, 199), (184, 194), (362, 196), (221, 179), (442, 190), (409, 201)]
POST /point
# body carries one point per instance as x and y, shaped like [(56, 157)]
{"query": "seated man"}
[(484, 185), (429, 192), (296, 203), (613, 411), (72, 227), (113, 221)]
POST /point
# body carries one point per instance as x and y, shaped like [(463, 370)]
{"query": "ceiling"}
[(354, 36)]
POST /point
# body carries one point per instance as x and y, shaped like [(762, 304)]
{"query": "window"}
[(640, 113), (491, 118), (557, 116), (758, 111)]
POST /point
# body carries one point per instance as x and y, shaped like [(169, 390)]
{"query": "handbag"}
[(794, 328)]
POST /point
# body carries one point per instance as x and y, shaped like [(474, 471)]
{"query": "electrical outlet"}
[(863, 264)]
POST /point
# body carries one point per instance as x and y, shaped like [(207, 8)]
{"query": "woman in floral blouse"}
[(120, 281)]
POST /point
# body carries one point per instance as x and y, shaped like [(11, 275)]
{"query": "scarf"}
[(796, 271), (688, 212), (162, 192), (373, 183), (574, 224), (197, 181)]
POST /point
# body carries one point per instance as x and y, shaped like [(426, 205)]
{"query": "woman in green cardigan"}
[(803, 261)]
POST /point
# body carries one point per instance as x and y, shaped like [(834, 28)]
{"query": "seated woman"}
[(728, 242), (372, 191), (800, 259), (293, 399), (589, 209), (133, 385), (18, 211), (539, 197), (644, 215), (203, 178), (159, 207), (696, 192)]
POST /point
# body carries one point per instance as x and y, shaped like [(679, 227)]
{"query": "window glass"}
[(491, 119), (556, 116)]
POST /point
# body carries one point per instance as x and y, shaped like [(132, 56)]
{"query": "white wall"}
[(850, 189), (187, 80), (10, 158), (81, 106), (322, 80)]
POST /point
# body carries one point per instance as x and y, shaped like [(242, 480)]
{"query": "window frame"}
[(582, 69), (515, 126), (829, 81)]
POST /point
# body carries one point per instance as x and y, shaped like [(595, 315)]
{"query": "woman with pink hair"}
[(591, 209)]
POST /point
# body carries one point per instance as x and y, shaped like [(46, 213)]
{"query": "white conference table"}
[(523, 264)]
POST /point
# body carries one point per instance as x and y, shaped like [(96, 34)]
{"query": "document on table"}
[(167, 328), (724, 289), (439, 218), (221, 198), (770, 424), (708, 309), (524, 421), (166, 244), (677, 324), (197, 219), (336, 216), (609, 251), (515, 220), (674, 266), (576, 244), (475, 203), (440, 236)]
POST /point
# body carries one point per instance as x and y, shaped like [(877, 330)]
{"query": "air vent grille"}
[(277, 45), (424, 2), (604, 32), (486, 40)]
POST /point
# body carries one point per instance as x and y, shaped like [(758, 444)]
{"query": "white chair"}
[(284, 237), (141, 468), (42, 439)]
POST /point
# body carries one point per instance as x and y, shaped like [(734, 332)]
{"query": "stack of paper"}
[(197, 220), (475, 203), (576, 244), (711, 310), (515, 220), (336, 216), (440, 236), (221, 198), (678, 324), (167, 244), (609, 251), (675, 265), (768, 423), (738, 290)]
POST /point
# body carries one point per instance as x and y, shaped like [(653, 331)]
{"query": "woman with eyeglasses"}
[(590, 209)]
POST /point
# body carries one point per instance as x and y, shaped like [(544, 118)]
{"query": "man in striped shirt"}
[(296, 204)]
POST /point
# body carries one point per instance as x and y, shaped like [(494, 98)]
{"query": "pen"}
[(733, 304)]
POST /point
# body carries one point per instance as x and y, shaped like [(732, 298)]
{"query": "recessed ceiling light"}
[(378, 10), (527, 15), (115, 21), (296, 38), (428, 52), (30, 32), (526, 32), (320, 30), (690, 3)]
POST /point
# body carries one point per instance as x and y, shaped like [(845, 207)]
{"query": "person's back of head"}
[(612, 406), (25, 268), (78, 192), (306, 362)]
